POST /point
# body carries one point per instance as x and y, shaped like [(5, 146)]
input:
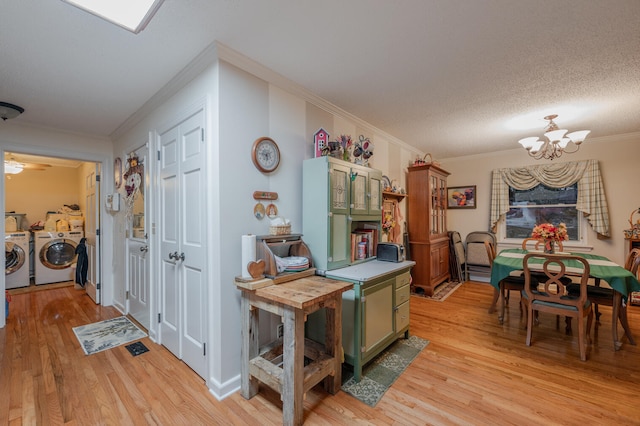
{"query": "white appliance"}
[(16, 264), (55, 252)]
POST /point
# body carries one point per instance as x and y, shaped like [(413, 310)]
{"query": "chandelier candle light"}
[(556, 143), (549, 234)]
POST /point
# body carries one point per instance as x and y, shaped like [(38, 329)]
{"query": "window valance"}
[(591, 197)]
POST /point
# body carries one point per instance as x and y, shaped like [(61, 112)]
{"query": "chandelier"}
[(556, 143)]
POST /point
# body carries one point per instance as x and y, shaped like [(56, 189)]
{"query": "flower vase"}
[(550, 247)]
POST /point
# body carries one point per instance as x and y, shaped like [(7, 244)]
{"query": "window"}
[(542, 204)]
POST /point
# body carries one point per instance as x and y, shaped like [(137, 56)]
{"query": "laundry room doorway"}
[(58, 201)]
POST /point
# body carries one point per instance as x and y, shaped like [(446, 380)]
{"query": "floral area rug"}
[(441, 292), (107, 334), (379, 374)]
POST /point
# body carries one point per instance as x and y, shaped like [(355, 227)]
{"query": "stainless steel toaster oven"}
[(390, 252)]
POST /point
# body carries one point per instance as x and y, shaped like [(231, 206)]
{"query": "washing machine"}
[(54, 253), (16, 264)]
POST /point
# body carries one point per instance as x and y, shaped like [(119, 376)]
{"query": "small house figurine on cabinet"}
[(321, 142)]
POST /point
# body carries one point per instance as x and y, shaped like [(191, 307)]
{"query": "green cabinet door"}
[(339, 253)]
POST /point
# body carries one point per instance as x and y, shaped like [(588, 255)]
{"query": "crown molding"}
[(204, 59), (255, 68), (218, 51)]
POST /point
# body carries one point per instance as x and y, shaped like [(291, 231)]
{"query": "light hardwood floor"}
[(474, 372)]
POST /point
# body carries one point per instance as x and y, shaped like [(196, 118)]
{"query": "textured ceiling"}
[(446, 76)]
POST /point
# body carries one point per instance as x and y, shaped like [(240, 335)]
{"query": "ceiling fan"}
[(12, 165)]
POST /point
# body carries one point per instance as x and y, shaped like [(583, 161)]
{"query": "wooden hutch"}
[(427, 226)]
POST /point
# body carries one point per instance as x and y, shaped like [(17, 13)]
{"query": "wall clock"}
[(117, 172), (265, 155)]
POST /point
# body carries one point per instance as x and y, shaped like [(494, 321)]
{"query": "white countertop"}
[(368, 270)]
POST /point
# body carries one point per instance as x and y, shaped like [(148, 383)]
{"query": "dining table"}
[(621, 280)]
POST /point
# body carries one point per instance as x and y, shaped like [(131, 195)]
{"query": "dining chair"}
[(506, 285), (527, 244), (553, 297), (537, 244), (605, 296)]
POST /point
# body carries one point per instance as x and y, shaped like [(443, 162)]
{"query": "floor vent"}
[(137, 348)]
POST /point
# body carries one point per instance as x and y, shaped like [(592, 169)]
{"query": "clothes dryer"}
[(55, 252), (16, 264)]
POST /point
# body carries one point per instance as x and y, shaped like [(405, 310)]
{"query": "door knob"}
[(176, 256), (144, 249)]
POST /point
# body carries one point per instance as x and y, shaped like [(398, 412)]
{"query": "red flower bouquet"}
[(549, 234)]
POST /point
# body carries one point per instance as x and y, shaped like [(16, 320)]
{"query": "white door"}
[(182, 242), (138, 281), (138, 264), (91, 227)]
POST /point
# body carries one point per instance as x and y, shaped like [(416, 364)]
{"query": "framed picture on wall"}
[(461, 197)]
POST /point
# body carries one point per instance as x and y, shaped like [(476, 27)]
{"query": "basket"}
[(431, 160), (280, 229), (423, 161)]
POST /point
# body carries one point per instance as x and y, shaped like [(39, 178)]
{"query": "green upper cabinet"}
[(337, 198), (375, 193), (338, 253), (339, 192), (366, 192)]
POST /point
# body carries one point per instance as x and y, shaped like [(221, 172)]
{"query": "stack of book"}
[(364, 242)]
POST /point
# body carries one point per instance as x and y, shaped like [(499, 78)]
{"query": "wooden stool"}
[(293, 301)]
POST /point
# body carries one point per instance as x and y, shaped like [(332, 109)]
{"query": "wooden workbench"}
[(282, 367)]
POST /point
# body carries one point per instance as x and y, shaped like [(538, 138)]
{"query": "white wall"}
[(618, 158), (36, 192)]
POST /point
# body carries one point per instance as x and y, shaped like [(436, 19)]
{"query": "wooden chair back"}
[(552, 288), (527, 243), (551, 294), (633, 261), (491, 251)]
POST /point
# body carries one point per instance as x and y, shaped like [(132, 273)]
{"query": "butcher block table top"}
[(303, 292)]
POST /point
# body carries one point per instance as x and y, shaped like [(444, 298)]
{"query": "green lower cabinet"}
[(374, 314), (377, 318), (401, 308)]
